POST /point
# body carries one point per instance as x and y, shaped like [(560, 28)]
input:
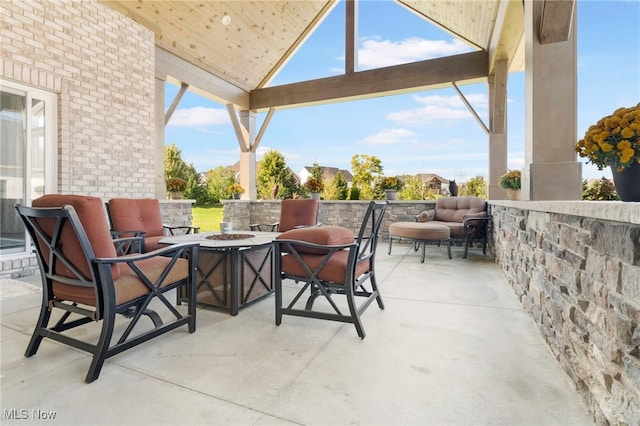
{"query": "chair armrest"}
[(314, 245), (134, 233), (174, 248), (271, 227), (308, 226), (128, 245), (476, 224), (426, 216), (189, 229)]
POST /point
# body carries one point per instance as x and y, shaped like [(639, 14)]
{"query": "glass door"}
[(27, 163)]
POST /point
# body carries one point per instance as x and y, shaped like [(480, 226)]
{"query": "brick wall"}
[(578, 277), (101, 65)]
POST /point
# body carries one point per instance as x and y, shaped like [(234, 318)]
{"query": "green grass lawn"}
[(208, 218)]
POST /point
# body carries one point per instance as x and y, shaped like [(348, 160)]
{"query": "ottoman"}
[(420, 233)]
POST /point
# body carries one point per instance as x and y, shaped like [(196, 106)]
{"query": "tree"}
[(475, 187), (316, 171), (413, 189), (217, 182), (272, 171), (174, 165), (366, 169), (338, 188), (599, 190)]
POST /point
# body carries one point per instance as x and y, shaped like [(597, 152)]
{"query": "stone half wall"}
[(101, 65), (343, 213), (575, 267)]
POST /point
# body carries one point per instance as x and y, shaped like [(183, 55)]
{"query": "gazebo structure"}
[(83, 112), (230, 51)]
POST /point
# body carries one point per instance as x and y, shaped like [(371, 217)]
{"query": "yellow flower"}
[(606, 147), (614, 140), (627, 155)]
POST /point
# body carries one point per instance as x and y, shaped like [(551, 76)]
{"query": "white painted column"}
[(248, 157), (159, 185), (498, 133), (551, 171)]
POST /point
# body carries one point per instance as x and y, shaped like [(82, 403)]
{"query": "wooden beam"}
[(416, 76), (351, 37), (555, 22), (175, 102), (170, 68), (508, 35), (470, 108), (242, 134), (263, 128)]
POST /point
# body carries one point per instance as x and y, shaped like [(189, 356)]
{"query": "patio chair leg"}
[(424, 249), (390, 241), (102, 347), (36, 338)]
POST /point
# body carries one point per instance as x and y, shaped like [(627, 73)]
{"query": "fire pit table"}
[(234, 269)]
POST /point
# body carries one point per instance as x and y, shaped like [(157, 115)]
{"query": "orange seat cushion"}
[(323, 235), (128, 286), (334, 271)]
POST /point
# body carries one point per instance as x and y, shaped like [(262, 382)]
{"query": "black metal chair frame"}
[(101, 280), (362, 250)]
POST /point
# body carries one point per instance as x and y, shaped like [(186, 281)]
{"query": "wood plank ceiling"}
[(262, 35)]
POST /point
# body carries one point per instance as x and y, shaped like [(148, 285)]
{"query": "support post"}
[(551, 171)]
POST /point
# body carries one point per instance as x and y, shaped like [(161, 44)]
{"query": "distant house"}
[(236, 171), (433, 181), (328, 173)]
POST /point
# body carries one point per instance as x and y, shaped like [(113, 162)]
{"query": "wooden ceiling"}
[(262, 35)]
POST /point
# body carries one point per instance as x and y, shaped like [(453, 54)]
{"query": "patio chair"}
[(299, 213), (330, 260), (84, 280), (142, 217)]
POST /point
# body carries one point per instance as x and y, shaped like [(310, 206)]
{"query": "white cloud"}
[(198, 117), (440, 109), (387, 137), (382, 53)]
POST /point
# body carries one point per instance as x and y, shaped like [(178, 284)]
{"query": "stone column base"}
[(552, 181)]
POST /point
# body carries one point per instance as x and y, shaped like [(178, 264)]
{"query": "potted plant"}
[(511, 181), (175, 186), (390, 186), (614, 141), (314, 186), (235, 189)]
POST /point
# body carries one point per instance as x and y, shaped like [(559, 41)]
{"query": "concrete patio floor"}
[(452, 347)]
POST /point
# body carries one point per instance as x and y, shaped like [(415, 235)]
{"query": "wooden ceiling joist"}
[(465, 68)]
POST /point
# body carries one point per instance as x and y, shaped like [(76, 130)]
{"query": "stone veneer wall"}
[(344, 213), (575, 267), (101, 66)]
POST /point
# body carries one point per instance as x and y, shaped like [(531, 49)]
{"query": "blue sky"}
[(421, 132)]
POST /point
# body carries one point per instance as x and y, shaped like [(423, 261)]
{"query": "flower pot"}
[(513, 194), (627, 182), (176, 195), (391, 194), (315, 195), (236, 196)]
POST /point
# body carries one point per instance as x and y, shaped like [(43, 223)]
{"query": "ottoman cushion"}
[(420, 230)]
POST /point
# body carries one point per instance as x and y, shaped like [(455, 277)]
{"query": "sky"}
[(422, 132)]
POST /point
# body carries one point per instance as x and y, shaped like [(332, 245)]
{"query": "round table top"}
[(250, 239)]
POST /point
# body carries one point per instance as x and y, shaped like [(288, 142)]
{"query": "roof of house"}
[(328, 173)]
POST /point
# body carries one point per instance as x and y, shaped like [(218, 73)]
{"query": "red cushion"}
[(323, 235), (141, 214), (298, 212), (334, 271), (93, 218)]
